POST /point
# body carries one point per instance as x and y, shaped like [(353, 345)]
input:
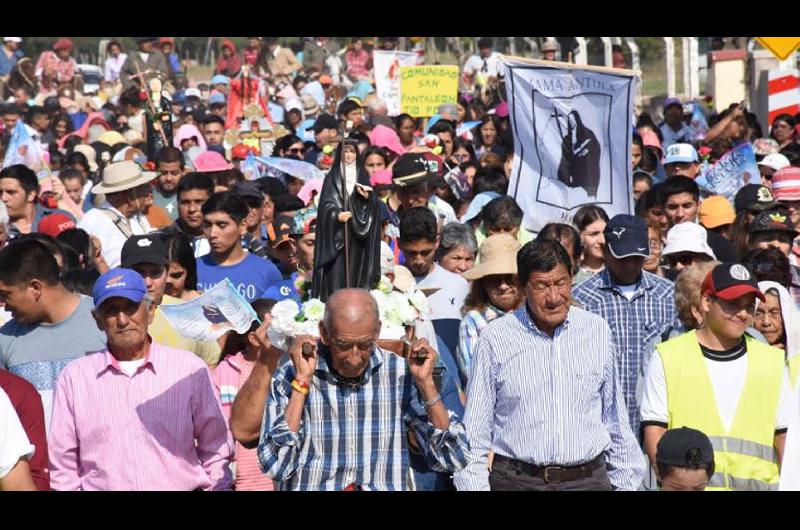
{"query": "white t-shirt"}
[(448, 300), (476, 64), (627, 290), (727, 379), (97, 223), (14, 443), (130, 367)]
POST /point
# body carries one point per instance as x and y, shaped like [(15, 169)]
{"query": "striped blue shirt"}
[(354, 435), (637, 325), (548, 401)]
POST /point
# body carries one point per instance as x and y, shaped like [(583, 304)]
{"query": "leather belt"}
[(553, 473)]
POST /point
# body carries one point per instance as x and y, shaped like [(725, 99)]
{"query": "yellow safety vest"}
[(794, 369), (744, 457)]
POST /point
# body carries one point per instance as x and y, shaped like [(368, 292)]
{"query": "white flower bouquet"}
[(398, 310)]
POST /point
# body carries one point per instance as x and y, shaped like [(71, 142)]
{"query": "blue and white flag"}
[(23, 149), (734, 169), (572, 139), (211, 315), (296, 168)]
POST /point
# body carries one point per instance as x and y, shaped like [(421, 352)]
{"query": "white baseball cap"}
[(12, 39), (688, 237), (681, 153), (775, 161), (192, 92)]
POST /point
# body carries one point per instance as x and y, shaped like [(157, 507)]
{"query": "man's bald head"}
[(351, 306)]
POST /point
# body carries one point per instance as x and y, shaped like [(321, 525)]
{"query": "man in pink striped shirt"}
[(139, 415)]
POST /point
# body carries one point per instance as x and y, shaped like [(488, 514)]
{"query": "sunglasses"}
[(296, 150)]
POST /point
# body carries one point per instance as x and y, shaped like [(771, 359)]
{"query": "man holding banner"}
[(572, 138)]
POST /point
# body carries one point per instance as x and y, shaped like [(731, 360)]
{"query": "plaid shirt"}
[(637, 325), (471, 327), (354, 434)]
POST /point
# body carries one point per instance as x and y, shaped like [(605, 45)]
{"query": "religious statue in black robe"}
[(363, 231), (158, 118)]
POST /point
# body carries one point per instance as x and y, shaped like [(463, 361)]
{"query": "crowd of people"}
[(657, 350)]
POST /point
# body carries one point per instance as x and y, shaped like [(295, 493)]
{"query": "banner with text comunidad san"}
[(424, 88)]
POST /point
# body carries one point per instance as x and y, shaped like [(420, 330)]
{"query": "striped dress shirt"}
[(160, 429), (637, 325), (470, 329), (354, 434), (548, 400)]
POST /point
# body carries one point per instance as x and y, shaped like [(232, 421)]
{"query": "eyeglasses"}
[(365, 345)]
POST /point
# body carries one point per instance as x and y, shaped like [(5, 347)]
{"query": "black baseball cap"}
[(143, 249), (280, 230), (730, 281), (684, 447), (410, 169), (626, 236), (754, 198), (248, 190), (777, 220)]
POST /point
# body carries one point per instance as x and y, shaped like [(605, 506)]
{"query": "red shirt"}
[(28, 404)]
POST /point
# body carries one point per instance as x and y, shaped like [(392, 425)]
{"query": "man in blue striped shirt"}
[(543, 394), (340, 419), (638, 306)]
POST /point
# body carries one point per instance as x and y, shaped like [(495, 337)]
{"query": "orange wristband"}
[(301, 387)]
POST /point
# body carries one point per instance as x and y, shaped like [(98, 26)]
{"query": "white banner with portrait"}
[(387, 65), (572, 138)]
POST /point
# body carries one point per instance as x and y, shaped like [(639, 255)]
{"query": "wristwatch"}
[(435, 399)]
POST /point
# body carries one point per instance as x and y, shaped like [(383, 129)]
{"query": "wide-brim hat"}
[(121, 176), (498, 255)]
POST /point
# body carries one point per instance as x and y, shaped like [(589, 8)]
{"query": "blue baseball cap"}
[(125, 283), (216, 97), (219, 79), (626, 236), (477, 204)]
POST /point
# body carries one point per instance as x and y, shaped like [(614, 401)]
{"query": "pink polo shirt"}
[(160, 429), (229, 376)]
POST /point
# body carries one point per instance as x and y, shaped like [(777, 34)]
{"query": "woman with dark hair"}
[(642, 182), (783, 130), (405, 126), (376, 158), (590, 220), (487, 137), (290, 146), (462, 152), (76, 160), (637, 146), (464, 113), (114, 61), (650, 159), (61, 126), (181, 267)]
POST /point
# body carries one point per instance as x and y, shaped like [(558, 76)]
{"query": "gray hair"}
[(456, 235), (376, 105)]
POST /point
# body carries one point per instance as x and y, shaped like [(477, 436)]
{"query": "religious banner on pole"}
[(387, 66), (424, 88), (572, 138), (217, 311), (734, 169)]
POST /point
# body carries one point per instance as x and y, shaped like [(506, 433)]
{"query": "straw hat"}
[(404, 281), (497, 255), (90, 154), (121, 176)]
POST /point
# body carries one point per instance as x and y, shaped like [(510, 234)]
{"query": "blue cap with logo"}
[(626, 236), (220, 79), (125, 283)]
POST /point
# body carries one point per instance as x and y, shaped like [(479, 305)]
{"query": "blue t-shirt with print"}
[(251, 276)]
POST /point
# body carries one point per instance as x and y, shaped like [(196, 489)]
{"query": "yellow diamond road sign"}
[(781, 47)]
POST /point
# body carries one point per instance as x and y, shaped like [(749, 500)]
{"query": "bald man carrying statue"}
[(339, 417)]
